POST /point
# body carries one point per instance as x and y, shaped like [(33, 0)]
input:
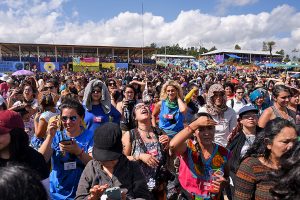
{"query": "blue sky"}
[(169, 9), (220, 23)]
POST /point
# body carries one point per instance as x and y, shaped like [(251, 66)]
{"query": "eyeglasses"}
[(240, 92), (112, 84), (139, 106), (96, 91), (254, 116), (65, 118)]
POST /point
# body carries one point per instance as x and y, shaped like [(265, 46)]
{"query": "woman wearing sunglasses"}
[(148, 146), (114, 91), (241, 138), (203, 169), (98, 107), (69, 146)]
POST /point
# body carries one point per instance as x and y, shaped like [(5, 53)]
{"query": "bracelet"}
[(81, 153), (190, 129)]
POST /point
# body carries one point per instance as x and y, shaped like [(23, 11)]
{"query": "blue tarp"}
[(233, 56)]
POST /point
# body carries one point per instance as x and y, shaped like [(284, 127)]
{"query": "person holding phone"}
[(110, 172), (69, 148)]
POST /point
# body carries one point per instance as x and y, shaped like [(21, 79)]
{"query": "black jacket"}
[(127, 174)]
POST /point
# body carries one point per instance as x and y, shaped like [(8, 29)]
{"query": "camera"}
[(129, 104)]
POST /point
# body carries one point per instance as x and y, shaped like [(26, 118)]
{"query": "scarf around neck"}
[(171, 104)]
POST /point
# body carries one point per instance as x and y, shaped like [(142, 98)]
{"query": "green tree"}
[(203, 50), (153, 45), (270, 45), (281, 52), (265, 46), (237, 47), (287, 58), (213, 48)]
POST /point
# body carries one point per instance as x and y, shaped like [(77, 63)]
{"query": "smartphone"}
[(113, 193), (66, 141)]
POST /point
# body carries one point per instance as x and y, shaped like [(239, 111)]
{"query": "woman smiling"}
[(69, 149)]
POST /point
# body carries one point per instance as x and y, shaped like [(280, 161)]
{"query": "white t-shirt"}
[(237, 105)]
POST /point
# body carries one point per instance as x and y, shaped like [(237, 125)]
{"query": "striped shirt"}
[(252, 181)]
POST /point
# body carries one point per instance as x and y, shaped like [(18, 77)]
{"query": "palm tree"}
[(270, 48)]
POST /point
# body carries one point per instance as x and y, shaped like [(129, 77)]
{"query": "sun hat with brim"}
[(246, 109), (5, 77), (10, 120), (107, 142), (10, 80)]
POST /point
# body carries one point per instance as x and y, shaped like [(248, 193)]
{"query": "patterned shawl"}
[(210, 106)]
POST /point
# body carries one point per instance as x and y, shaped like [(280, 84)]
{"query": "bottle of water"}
[(146, 97)]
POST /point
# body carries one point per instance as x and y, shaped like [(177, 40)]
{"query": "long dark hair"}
[(265, 137), (287, 178), (73, 104), (19, 182), (19, 144)]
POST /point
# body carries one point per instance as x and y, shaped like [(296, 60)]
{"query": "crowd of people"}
[(161, 133)]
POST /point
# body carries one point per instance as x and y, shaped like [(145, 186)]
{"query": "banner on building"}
[(111, 66), (121, 65), (49, 66), (10, 66), (86, 62)]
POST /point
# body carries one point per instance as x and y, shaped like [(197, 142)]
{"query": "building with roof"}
[(65, 55), (243, 55)]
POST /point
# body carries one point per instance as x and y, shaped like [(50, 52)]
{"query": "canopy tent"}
[(233, 56), (283, 65)]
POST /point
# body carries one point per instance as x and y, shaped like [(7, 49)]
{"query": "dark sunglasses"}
[(112, 84), (96, 91), (47, 88), (65, 118), (253, 116)]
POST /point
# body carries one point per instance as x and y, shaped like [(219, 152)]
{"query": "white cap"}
[(5, 77)]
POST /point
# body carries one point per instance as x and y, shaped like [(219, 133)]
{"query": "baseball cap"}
[(107, 142), (10, 120), (246, 109)]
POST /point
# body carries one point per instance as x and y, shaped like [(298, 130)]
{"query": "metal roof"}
[(235, 51), (68, 50), (172, 56)]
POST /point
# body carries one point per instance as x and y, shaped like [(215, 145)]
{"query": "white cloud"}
[(190, 28)]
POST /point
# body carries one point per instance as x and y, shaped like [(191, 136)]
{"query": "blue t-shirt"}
[(64, 181), (170, 120), (96, 117)]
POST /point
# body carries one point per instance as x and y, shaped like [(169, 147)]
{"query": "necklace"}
[(148, 136)]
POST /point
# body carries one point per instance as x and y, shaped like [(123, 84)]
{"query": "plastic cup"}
[(213, 176)]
